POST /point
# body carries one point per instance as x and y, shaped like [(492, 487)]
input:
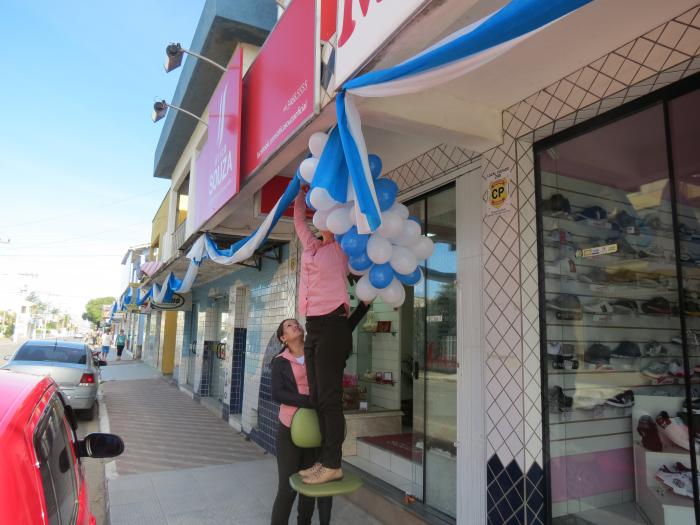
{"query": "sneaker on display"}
[(564, 363), (664, 380), (678, 478), (675, 368), (599, 307), (622, 400), (596, 354), (595, 276), (595, 213), (626, 350), (558, 401), (655, 349), (655, 369), (625, 306), (565, 303), (650, 434), (587, 401), (657, 306), (560, 349), (673, 429)]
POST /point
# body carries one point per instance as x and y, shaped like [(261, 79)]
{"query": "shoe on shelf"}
[(565, 350), (595, 276), (565, 303), (626, 350), (650, 434), (324, 475), (309, 471), (655, 369), (560, 362), (694, 405), (675, 368), (596, 354), (657, 306), (664, 380), (622, 400), (674, 430), (558, 401), (625, 306), (599, 307), (655, 349)]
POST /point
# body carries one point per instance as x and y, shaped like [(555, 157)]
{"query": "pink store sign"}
[(217, 176)]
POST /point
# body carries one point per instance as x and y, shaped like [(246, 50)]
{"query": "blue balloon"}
[(414, 219), (375, 165), (339, 237), (386, 190), (381, 275), (360, 262), (308, 201), (353, 243), (411, 278)]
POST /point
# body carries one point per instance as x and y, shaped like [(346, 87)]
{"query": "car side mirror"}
[(99, 445)]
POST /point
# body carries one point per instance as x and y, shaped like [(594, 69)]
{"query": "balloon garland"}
[(387, 259)]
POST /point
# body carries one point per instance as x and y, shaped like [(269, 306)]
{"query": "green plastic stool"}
[(306, 433), (350, 483)]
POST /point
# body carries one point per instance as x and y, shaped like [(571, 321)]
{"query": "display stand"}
[(660, 504)]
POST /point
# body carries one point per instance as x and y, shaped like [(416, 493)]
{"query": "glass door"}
[(435, 357)]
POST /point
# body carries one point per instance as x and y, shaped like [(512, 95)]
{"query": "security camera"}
[(160, 109), (173, 57)]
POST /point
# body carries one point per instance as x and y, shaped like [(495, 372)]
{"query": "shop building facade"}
[(498, 392)]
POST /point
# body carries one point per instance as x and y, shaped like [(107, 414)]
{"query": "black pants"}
[(291, 459), (326, 348), (120, 349)]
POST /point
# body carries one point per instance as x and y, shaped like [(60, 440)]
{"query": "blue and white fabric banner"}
[(454, 56), (344, 157)]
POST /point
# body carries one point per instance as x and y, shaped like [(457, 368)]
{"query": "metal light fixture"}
[(160, 109), (174, 54)]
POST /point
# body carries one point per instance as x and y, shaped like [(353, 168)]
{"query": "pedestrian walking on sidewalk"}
[(120, 342), (106, 343)]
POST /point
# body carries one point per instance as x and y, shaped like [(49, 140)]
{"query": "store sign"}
[(217, 177), (498, 195), (280, 88), (363, 26), (270, 193)]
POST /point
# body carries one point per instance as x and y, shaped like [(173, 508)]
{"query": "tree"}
[(93, 309)]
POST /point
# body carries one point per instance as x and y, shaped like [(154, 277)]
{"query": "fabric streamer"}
[(343, 172)]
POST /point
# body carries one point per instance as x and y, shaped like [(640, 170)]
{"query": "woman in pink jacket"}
[(324, 301)]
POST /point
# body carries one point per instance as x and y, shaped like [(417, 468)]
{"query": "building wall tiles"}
[(661, 56)]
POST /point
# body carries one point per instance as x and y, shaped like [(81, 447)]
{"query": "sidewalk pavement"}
[(184, 465)]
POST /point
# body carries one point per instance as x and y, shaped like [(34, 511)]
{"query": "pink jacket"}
[(286, 411), (323, 283)]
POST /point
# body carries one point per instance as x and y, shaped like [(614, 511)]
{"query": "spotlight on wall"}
[(175, 52), (160, 110)]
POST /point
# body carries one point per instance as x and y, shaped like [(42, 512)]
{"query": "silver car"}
[(69, 363)]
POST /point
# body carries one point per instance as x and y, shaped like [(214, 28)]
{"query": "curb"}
[(110, 467)]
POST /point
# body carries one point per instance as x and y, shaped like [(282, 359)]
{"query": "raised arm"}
[(278, 389), (307, 238)]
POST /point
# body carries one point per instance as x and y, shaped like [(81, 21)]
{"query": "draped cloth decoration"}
[(345, 154), (452, 57)]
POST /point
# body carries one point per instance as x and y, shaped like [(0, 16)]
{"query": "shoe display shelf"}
[(660, 504)]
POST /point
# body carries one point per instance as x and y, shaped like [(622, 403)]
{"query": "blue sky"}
[(76, 141)]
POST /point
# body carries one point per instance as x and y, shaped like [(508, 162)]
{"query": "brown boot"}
[(324, 475), (309, 471)]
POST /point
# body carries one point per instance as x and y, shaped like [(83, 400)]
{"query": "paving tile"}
[(137, 513)]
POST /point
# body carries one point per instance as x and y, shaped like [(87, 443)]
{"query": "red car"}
[(41, 475)]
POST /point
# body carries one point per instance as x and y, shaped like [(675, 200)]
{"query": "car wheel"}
[(89, 414)]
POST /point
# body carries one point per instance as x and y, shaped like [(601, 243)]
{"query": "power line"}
[(45, 256)]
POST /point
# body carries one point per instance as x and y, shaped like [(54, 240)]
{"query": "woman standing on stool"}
[(324, 300), (290, 387)]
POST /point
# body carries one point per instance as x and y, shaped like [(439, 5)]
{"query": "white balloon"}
[(321, 199), (403, 260), (392, 225), (408, 235), (364, 289), (320, 220), (307, 169), (378, 249), (317, 142), (394, 294), (358, 272), (422, 247), (339, 221), (400, 210)]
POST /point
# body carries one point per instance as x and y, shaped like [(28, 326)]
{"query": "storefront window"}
[(619, 354)]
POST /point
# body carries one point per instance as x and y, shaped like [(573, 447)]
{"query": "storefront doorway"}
[(192, 347), (404, 366), (619, 251)]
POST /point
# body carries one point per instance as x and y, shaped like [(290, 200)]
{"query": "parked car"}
[(69, 363), (42, 476)]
